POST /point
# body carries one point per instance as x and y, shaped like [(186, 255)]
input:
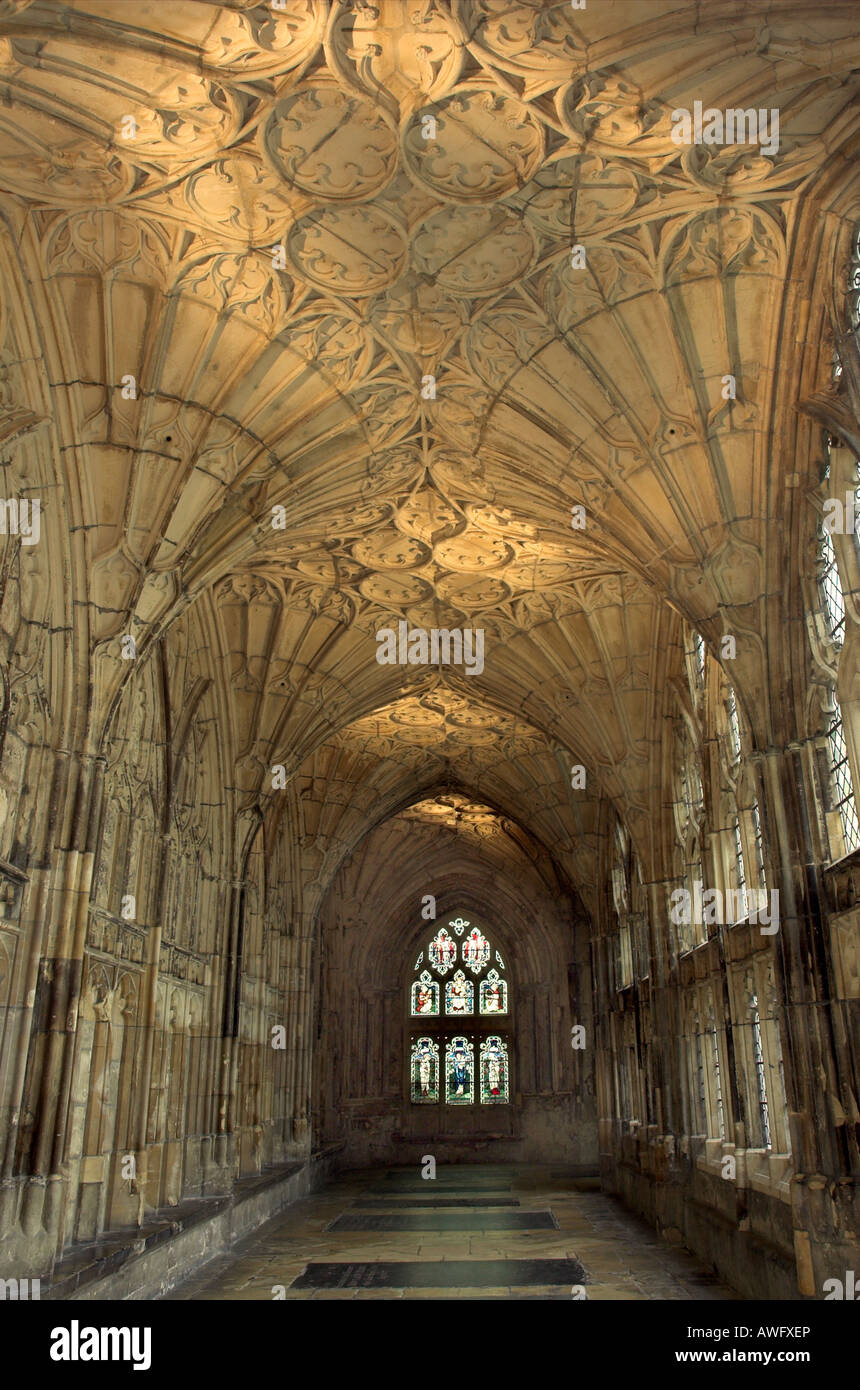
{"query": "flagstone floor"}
[(476, 1232)]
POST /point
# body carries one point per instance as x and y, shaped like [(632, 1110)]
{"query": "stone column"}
[(823, 1189), (56, 908)]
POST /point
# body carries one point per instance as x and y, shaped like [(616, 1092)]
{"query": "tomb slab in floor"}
[(393, 1203), (594, 1243), (446, 1221), (442, 1274)]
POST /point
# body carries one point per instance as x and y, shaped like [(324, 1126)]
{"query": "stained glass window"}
[(425, 995), (442, 1058), (425, 1071), (493, 994), (443, 951), (460, 1071), (494, 1071), (476, 951), (459, 995)]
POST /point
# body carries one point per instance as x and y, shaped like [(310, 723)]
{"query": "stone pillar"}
[(823, 1189), (665, 1020), (55, 912)]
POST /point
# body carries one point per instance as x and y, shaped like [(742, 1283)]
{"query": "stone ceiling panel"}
[(331, 248)]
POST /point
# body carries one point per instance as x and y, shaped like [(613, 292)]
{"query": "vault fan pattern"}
[(295, 345)]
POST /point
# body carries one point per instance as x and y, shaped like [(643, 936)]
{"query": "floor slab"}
[(511, 1232), (476, 1219), (441, 1274)]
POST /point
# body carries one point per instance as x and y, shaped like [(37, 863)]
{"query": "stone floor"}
[(475, 1232)]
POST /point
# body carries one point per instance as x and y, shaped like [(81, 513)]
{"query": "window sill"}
[(761, 1170)]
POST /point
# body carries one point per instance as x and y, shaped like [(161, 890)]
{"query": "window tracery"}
[(442, 1063), (840, 803)]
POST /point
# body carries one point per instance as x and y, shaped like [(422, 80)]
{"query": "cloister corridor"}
[(476, 1231), (429, 660)]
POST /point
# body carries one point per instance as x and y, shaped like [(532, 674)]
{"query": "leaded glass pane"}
[(831, 588), (759, 846), (476, 951), (493, 994), (494, 1072), (443, 951), (699, 651), (740, 869), (712, 1025), (425, 1071), (459, 995), (761, 1083), (694, 650), (842, 786), (700, 1077), (460, 1072), (854, 284), (734, 726), (718, 1084), (457, 1070), (425, 995)]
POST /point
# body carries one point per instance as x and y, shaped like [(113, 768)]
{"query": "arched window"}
[(695, 653), (458, 1016), (741, 845), (621, 904), (832, 601), (716, 1071), (628, 909), (689, 818), (734, 725), (830, 586), (740, 870), (842, 790)]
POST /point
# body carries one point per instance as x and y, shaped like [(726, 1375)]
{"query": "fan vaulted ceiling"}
[(280, 258)]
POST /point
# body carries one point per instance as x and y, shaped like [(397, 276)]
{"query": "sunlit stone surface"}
[(318, 319)]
